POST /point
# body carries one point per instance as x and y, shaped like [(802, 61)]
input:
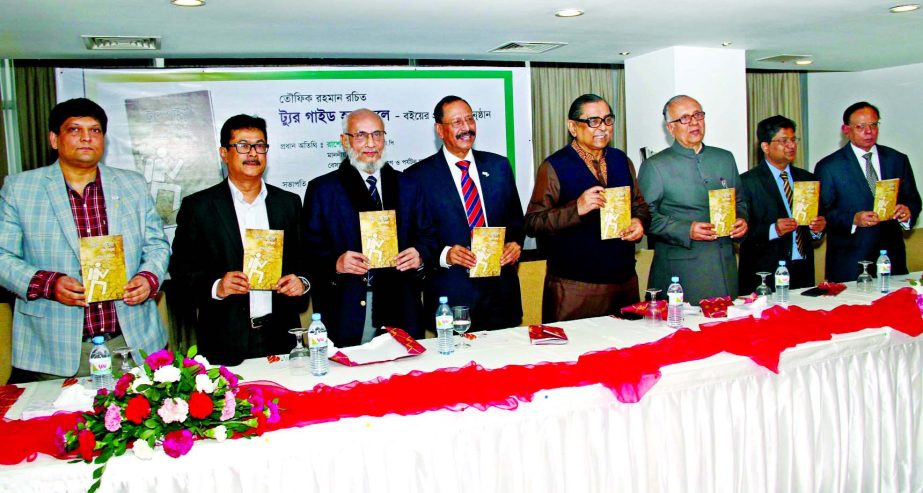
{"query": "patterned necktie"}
[(870, 173), (471, 197), (799, 237), (373, 192)]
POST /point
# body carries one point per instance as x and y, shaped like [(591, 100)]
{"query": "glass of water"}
[(461, 322), (864, 282)]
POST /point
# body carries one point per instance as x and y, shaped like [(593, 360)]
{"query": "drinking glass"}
[(461, 321), (864, 282), (299, 357), (763, 289), (124, 352), (653, 315)]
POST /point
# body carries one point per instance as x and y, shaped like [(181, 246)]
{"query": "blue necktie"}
[(373, 192)]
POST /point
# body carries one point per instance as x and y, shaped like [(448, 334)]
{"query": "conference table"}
[(844, 414)]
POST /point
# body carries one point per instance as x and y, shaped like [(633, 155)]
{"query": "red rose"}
[(87, 441), (138, 409), (200, 405), (121, 387)]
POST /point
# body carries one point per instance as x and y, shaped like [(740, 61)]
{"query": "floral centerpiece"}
[(171, 400), (917, 284)]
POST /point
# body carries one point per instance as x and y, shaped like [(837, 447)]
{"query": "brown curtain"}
[(770, 94), (35, 96)]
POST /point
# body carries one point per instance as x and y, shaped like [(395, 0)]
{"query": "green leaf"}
[(98, 473), (192, 352), (94, 487), (150, 423)]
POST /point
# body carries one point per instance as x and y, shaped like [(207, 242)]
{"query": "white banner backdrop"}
[(165, 123)]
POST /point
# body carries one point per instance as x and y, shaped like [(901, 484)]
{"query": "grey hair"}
[(670, 102), (352, 113)]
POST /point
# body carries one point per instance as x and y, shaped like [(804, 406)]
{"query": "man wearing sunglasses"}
[(586, 276), (675, 182), (356, 301), (234, 322)]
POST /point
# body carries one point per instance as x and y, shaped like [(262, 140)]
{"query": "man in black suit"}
[(847, 190), (492, 200), (233, 321), (355, 301), (774, 233)]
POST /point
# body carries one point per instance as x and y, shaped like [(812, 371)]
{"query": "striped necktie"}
[(799, 236), (373, 192), (471, 197), (870, 175)]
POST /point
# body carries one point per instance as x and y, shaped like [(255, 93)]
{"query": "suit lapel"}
[(59, 198), (888, 170), (854, 171), (352, 182), (444, 176), (389, 191), (112, 188), (224, 212), (489, 193), (769, 183)]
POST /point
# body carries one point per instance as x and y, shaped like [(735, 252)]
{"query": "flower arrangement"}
[(171, 400), (917, 285)]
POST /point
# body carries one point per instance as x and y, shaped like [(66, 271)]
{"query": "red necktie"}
[(471, 197)]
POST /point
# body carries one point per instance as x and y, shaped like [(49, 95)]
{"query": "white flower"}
[(204, 384), (220, 433), (166, 374), (139, 381), (202, 361), (137, 371), (142, 450)]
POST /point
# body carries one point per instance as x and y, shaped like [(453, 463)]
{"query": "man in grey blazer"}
[(675, 182), (43, 214)]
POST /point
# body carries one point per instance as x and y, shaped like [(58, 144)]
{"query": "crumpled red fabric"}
[(833, 288), (644, 308), (715, 307)]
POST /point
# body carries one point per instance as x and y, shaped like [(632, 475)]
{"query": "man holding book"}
[(46, 217), (587, 275), (239, 222), (357, 288), (848, 180), (677, 183), (772, 190)]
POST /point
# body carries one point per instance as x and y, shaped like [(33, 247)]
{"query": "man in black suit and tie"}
[(356, 301), (234, 322), (847, 191), (774, 233), (462, 189)]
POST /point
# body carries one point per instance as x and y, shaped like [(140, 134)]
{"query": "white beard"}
[(369, 168)]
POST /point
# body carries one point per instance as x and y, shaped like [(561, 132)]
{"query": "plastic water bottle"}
[(101, 364), (675, 304), (444, 322), (782, 280), (317, 346), (883, 265)]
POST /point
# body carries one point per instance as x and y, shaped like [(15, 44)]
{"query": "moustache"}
[(466, 133)]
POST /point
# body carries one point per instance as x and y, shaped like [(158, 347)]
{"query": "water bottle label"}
[(675, 298), (100, 366), (444, 322), (317, 340), (781, 280), (884, 268)]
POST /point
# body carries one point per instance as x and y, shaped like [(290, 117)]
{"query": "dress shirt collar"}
[(776, 171), (860, 153), (452, 158), (238, 196)]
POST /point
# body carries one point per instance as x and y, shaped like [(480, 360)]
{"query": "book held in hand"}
[(615, 216), (263, 257), (805, 200), (379, 237), (102, 265), (722, 210), (487, 245), (886, 198)]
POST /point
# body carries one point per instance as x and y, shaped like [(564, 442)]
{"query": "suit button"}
[(362, 303)]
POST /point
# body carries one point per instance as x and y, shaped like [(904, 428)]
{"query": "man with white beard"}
[(354, 301)]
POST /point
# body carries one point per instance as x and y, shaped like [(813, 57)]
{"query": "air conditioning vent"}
[(784, 58), (121, 42), (527, 47)]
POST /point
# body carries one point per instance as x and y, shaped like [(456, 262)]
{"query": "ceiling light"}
[(188, 3), (910, 7), (726, 44), (803, 62), (121, 42), (624, 53), (568, 13)]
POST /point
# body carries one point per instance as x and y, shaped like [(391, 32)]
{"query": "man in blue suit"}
[(356, 301), (43, 214), (438, 183), (847, 177)]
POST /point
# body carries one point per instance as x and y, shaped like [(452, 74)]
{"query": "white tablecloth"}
[(841, 416)]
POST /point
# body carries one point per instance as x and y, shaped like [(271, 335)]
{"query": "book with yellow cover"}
[(886, 198), (722, 210), (379, 238), (263, 257), (805, 199), (615, 216), (487, 245), (102, 264)]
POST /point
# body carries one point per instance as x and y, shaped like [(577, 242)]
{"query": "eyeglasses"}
[(361, 137), (244, 147), (786, 141), (459, 122), (862, 126), (687, 119), (595, 121)]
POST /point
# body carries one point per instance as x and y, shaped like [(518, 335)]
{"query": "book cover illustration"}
[(379, 237), (722, 210), (886, 198), (805, 200), (615, 216), (487, 245), (263, 257), (102, 265)]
